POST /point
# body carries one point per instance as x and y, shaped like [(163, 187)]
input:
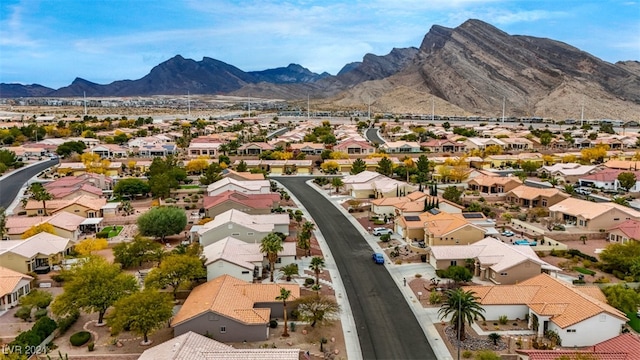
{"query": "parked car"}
[(582, 191), (381, 231), (508, 233), (525, 242), (378, 258)]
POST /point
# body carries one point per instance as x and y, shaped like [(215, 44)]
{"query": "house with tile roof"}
[(248, 228), (64, 224), (494, 260), (245, 261), (83, 205), (530, 197), (255, 148), (252, 204), (391, 205), (78, 168), (443, 146), (487, 184), (623, 233), (401, 147), (573, 312), (607, 179), (452, 229), (242, 186), (308, 148), (13, 286), (591, 216), (72, 192), (109, 151), (622, 164), (352, 146), (567, 173), (231, 310), (193, 346), (37, 253), (241, 176)]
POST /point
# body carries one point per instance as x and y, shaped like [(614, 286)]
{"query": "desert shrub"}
[(602, 280), (102, 234), (309, 282), (273, 324), (66, 322), (578, 253), (467, 354), (40, 313), (26, 340), (435, 297), (385, 238), (91, 346), (378, 222), (80, 338), (57, 278), (23, 313), (503, 319), (44, 327), (579, 282), (486, 355)]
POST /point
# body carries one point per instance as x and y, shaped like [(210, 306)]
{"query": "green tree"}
[(316, 309), (131, 187), (495, 337), (67, 148), (39, 193), (212, 174), (8, 158), (162, 221), (284, 296), (176, 270), (337, 183), (289, 270), (569, 189), (458, 274), (385, 167), (271, 245), (622, 259), (141, 312), (453, 194), (622, 297), (463, 306), (161, 185), (358, 166), (136, 252), (93, 286), (317, 264), (529, 166), (627, 180), (3, 222), (446, 125), (620, 200), (242, 166)]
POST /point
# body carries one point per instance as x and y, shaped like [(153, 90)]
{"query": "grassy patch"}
[(189, 186), (584, 271), (634, 322), (113, 232)]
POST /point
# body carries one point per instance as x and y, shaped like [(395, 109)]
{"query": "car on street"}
[(582, 191), (378, 258), (381, 231), (508, 233)]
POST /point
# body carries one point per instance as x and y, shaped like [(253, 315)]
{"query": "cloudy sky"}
[(52, 42)]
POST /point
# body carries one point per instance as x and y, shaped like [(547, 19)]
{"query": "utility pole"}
[(189, 103), (582, 113), (504, 99), (308, 107), (84, 94), (433, 108)]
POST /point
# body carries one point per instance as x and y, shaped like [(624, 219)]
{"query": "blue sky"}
[(52, 42)]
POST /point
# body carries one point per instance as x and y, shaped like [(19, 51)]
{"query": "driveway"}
[(387, 328)]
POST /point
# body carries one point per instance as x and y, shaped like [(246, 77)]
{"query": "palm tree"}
[(317, 264), (304, 237), (494, 337), (337, 183), (621, 200), (289, 270), (463, 307), (224, 149), (284, 296), (39, 193), (271, 245)]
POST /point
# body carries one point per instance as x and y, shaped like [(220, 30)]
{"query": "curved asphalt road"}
[(372, 135), (11, 184), (387, 328)]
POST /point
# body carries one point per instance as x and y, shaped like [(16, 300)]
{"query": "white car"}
[(381, 231)]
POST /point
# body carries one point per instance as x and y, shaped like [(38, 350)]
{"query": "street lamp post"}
[(459, 308)]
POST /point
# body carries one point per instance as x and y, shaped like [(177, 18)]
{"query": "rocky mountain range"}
[(474, 68)]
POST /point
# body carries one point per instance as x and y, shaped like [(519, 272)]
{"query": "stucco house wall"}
[(222, 329)]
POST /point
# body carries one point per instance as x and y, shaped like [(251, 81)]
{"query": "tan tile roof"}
[(232, 298), (484, 180), (530, 193), (9, 279), (631, 228), (571, 354), (589, 210), (41, 243), (444, 223), (563, 302)]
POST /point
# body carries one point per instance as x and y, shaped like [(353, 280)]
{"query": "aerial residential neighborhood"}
[(227, 241)]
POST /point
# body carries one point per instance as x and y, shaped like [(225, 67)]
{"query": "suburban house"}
[(242, 186), (392, 206), (401, 147), (245, 227), (64, 224), (252, 204), (83, 205), (72, 192), (493, 184), (518, 143), (451, 229), (241, 176), (482, 143), (209, 149), (37, 253), (13, 285), (287, 166), (307, 148), (157, 150), (242, 260), (494, 260), (98, 180), (631, 165), (625, 232), (573, 312), (622, 347), (567, 173), (352, 146), (191, 345), (607, 179), (411, 227), (109, 151), (254, 148), (443, 146), (231, 310), (529, 197), (591, 216)]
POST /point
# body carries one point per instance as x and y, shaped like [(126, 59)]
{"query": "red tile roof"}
[(254, 201), (627, 343), (631, 228)]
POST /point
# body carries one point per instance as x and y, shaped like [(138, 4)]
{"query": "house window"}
[(616, 219), (235, 234), (249, 234), (245, 272), (603, 318), (571, 330), (76, 211), (544, 202), (40, 211), (279, 261), (503, 274), (454, 263), (214, 317), (223, 329)]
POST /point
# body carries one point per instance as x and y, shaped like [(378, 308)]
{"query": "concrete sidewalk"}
[(426, 317)]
